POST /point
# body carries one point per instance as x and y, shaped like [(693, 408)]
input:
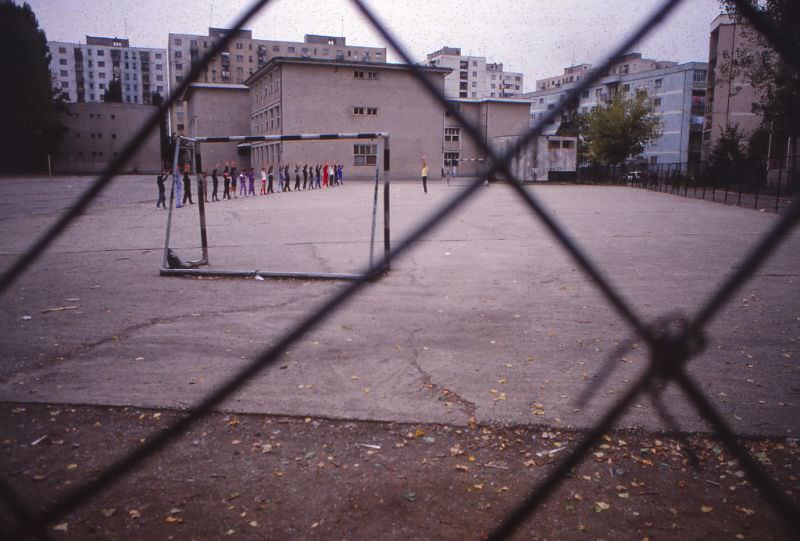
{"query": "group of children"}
[(315, 176)]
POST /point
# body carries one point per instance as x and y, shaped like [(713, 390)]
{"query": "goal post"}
[(190, 147)]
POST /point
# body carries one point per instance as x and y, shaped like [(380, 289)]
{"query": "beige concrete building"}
[(247, 54), (216, 109), (297, 95), (494, 117), (473, 77), (97, 132), (729, 100)]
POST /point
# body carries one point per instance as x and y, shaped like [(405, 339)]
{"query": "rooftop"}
[(340, 64)]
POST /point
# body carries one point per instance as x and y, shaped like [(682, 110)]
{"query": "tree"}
[(30, 127), (163, 131), (621, 130), (727, 157), (113, 93)]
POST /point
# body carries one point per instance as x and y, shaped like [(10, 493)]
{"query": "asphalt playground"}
[(485, 319)]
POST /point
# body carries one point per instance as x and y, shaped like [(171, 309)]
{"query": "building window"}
[(365, 154), (101, 64), (178, 41), (358, 111), (452, 135), (178, 67), (462, 85), (700, 76), (463, 75), (62, 61), (451, 159), (292, 49), (240, 58), (178, 54), (626, 88), (358, 74), (474, 84), (101, 52), (240, 45), (64, 73), (158, 56), (658, 83), (101, 75), (474, 94), (474, 73), (158, 67), (657, 102), (464, 64)]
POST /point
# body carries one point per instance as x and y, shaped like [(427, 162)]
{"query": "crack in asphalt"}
[(467, 406), (133, 329)]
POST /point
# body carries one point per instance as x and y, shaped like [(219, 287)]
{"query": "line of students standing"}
[(313, 176)]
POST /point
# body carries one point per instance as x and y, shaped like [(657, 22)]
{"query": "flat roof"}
[(340, 63), (486, 100), (213, 86)]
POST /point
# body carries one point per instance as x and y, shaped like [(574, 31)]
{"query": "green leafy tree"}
[(113, 93), (30, 127), (620, 130)]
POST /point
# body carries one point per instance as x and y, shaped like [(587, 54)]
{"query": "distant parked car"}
[(634, 176)]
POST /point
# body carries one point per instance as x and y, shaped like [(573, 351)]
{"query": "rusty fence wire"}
[(673, 340)]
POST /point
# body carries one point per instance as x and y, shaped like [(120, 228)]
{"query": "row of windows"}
[(101, 52), (365, 111), (369, 75), (277, 49)]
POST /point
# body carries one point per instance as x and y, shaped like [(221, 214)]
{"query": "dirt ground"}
[(267, 477)]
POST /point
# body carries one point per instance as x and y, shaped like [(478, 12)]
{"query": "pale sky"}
[(536, 37)]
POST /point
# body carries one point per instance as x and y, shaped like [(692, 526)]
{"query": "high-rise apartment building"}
[(246, 55), (82, 72), (730, 100), (676, 92), (473, 77)]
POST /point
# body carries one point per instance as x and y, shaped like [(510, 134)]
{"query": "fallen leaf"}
[(63, 527), (706, 509), (599, 507), (134, 513)]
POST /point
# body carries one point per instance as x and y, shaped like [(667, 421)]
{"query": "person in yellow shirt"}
[(424, 174)]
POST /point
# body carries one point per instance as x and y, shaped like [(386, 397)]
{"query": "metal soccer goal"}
[(173, 266)]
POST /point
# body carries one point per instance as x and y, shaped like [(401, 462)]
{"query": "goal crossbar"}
[(169, 267)]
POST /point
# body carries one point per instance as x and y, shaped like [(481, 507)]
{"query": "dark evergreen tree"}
[(113, 93), (30, 128)]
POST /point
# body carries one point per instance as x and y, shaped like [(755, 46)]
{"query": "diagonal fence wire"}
[(669, 352)]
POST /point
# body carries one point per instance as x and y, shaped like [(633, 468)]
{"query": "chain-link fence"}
[(672, 340)]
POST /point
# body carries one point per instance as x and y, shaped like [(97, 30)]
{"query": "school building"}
[(290, 96)]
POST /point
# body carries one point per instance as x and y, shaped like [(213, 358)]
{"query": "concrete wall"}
[(494, 119), (219, 110), (97, 132), (318, 98), (545, 158)]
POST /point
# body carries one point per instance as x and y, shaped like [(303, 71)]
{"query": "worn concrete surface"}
[(484, 318)]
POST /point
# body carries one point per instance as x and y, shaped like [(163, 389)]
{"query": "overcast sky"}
[(536, 37)]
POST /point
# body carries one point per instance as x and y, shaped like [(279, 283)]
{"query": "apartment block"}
[(474, 77), (97, 132), (247, 54), (83, 71), (677, 93), (304, 95), (729, 101)]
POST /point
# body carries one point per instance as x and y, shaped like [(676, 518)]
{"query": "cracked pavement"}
[(485, 318)]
